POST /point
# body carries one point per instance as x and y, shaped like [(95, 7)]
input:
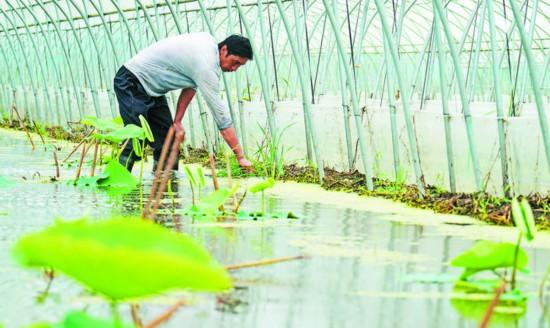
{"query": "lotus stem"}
[(136, 316), (23, 125), (78, 145), (514, 268), (213, 169), (56, 164), (96, 146), (489, 313), (240, 202), (119, 151), (142, 160), (166, 174), (160, 165), (40, 135), (81, 160), (264, 262), (165, 315)]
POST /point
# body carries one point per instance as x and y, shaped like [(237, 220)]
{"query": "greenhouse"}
[(278, 163)]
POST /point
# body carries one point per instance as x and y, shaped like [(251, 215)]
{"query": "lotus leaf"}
[(211, 202), (100, 123), (488, 255), (123, 258), (261, 186), (117, 176)]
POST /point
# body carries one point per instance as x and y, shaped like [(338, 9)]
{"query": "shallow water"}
[(366, 256)]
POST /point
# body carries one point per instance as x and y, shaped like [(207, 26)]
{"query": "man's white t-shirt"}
[(179, 62)]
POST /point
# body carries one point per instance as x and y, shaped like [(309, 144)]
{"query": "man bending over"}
[(186, 62)]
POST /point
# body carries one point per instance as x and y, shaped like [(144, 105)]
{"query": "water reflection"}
[(354, 278)]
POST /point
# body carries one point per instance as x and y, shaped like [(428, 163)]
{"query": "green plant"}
[(101, 124), (271, 152), (262, 186), (122, 258), (487, 255), (210, 203), (79, 319), (197, 181), (113, 176)]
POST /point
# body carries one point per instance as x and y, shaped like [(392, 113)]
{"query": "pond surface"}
[(371, 263)]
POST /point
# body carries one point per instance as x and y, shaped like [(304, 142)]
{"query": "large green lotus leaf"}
[(123, 258), (487, 255), (116, 175), (261, 186), (100, 123), (119, 135), (79, 319)]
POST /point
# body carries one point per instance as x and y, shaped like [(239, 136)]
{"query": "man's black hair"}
[(237, 45)]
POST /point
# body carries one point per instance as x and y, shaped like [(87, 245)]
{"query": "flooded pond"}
[(370, 262)]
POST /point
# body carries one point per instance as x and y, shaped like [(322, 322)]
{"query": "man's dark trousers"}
[(134, 101)]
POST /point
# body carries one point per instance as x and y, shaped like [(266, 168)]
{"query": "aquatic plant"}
[(211, 203), (113, 176), (488, 256), (271, 152), (101, 124), (122, 258), (492, 256), (79, 319), (196, 180), (262, 186)]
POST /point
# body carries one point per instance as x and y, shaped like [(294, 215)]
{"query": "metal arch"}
[(148, 19), (126, 24), (267, 100), (354, 98), (107, 32), (40, 64), (101, 63), (404, 91), (66, 53), (225, 83), (26, 61), (68, 113), (10, 78), (465, 105), (306, 100), (79, 46)]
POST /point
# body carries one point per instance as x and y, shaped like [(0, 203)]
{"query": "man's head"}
[(234, 51)]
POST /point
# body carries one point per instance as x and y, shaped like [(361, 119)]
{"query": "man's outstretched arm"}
[(184, 99), (230, 138)]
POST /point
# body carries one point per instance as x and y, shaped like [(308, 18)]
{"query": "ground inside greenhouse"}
[(363, 259)]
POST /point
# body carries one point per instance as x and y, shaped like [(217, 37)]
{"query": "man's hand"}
[(244, 163), (179, 132)]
